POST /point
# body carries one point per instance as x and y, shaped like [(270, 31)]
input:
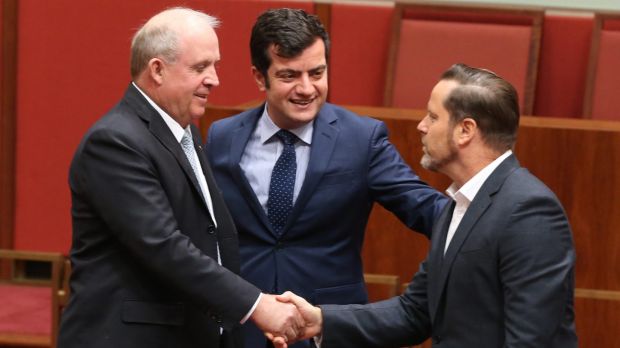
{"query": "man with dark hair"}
[(155, 251), (500, 272), (300, 175)]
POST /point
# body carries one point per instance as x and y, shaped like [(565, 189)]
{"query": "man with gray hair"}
[(155, 251)]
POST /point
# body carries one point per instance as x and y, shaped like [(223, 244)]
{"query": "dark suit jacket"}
[(145, 271), (506, 279), (318, 256)]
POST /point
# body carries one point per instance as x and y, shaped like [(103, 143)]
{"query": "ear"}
[(465, 131), (156, 70), (259, 78)]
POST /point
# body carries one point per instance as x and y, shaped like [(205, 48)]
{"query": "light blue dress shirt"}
[(262, 152)]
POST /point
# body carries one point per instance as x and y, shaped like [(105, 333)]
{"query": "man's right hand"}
[(312, 317), (278, 318)]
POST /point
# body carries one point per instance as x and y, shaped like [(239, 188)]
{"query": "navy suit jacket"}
[(318, 256), (506, 280), (145, 270)]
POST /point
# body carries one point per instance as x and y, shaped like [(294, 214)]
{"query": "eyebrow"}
[(287, 71), (207, 62), (296, 72), (320, 67)]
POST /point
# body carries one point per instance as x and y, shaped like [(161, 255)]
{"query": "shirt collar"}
[(469, 190), (266, 129), (174, 126)]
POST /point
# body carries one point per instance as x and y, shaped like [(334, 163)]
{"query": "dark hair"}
[(289, 30), (488, 99)]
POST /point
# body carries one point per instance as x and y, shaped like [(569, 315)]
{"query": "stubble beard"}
[(429, 163)]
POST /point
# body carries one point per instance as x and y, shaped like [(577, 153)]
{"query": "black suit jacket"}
[(506, 280), (144, 251)]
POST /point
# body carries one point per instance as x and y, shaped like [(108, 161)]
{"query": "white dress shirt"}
[(464, 195)]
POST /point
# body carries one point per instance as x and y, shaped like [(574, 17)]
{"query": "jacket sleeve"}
[(536, 269), (397, 322), (396, 187)]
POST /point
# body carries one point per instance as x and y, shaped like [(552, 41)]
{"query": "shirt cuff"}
[(317, 340), (247, 316)]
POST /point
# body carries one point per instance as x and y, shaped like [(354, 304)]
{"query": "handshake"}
[(287, 318)]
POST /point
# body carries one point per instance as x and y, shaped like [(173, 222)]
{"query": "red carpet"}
[(25, 309)]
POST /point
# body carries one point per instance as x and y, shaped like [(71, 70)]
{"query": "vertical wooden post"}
[(8, 86)]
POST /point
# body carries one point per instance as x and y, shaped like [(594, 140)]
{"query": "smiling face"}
[(437, 131), (297, 87), (187, 82)]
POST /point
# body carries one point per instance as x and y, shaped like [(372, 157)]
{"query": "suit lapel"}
[(160, 130), (476, 209), (206, 171), (238, 141), (435, 262), (324, 139)]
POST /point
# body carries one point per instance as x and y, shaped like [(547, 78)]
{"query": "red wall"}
[(73, 66)]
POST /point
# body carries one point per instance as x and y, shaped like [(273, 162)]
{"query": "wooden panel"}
[(8, 68), (382, 286), (597, 322)]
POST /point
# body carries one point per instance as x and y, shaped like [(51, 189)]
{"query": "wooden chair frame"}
[(599, 20), (58, 284), (390, 280), (536, 16)]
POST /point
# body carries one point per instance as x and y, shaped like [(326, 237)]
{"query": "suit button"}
[(436, 339), (211, 229), (279, 245)]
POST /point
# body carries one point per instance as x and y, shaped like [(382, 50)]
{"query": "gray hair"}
[(158, 37)]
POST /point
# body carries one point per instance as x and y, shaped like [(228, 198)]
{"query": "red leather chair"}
[(427, 40), (30, 307), (602, 96)]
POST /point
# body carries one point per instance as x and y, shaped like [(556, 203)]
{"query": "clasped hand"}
[(287, 318)]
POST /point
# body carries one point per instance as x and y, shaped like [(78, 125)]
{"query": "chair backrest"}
[(601, 100), (381, 286), (427, 40), (32, 304), (218, 112)]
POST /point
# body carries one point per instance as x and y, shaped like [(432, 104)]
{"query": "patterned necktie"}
[(188, 147), (280, 201), (187, 143)]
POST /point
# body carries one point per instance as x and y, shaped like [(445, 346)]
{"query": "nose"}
[(304, 85), (211, 80), (422, 127)]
